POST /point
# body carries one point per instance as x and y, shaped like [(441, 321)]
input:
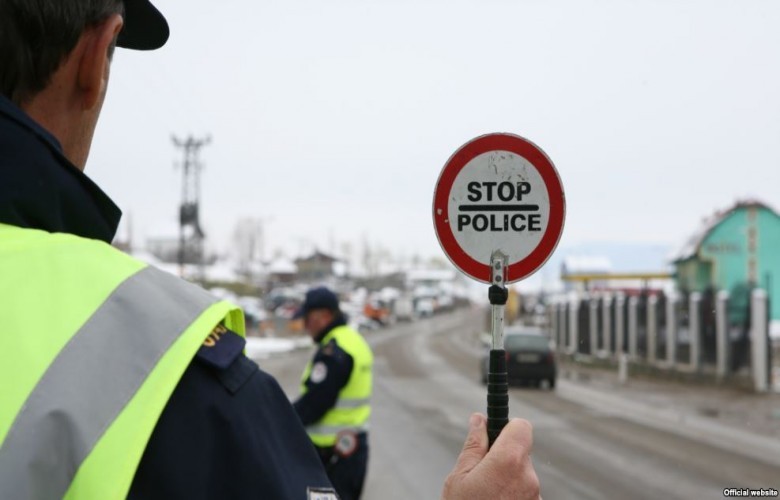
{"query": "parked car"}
[(530, 357)]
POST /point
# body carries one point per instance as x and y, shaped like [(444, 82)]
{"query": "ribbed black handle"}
[(497, 395)]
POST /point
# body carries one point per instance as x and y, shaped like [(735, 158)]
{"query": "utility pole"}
[(190, 232)]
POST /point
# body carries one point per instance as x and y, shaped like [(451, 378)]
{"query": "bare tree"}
[(248, 243)]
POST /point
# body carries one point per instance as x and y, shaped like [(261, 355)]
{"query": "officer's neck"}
[(338, 320)]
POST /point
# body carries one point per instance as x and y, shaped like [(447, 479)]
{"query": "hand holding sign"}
[(498, 211)]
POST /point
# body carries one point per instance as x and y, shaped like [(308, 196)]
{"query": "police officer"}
[(334, 405), (127, 381), (120, 380)]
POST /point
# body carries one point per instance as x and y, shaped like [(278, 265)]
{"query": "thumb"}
[(475, 447)]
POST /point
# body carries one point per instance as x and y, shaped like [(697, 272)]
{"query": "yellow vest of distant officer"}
[(352, 409)]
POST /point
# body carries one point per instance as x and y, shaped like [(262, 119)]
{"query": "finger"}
[(517, 434), (510, 456), (512, 448), (475, 447)]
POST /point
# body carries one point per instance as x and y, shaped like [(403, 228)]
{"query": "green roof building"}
[(734, 250)]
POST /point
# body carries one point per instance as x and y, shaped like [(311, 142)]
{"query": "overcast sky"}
[(331, 120)]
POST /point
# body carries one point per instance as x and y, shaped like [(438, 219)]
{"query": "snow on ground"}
[(264, 347)]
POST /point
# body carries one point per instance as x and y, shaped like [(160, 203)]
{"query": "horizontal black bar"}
[(498, 208)]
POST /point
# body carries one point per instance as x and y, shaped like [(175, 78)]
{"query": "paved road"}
[(591, 442)]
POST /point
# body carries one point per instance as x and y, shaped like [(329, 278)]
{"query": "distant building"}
[(316, 267), (733, 250), (281, 270)]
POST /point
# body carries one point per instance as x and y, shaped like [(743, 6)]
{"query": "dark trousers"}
[(347, 474)]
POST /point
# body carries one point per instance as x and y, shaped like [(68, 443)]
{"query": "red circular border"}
[(528, 150)]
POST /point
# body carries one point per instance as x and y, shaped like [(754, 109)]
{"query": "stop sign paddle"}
[(498, 192), (498, 212)]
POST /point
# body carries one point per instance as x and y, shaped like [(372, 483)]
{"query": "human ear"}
[(95, 62)]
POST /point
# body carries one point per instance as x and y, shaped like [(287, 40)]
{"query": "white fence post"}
[(560, 312), (652, 328), (606, 323), (633, 305), (552, 314), (574, 309), (722, 334), (671, 329), (622, 367), (758, 339), (694, 304)]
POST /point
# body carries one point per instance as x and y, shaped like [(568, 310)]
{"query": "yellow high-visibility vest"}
[(92, 344), (353, 406)]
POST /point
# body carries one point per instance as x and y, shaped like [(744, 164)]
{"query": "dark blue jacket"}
[(228, 430)]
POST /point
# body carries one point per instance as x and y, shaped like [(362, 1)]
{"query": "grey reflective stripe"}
[(91, 381), (344, 404), (335, 429)]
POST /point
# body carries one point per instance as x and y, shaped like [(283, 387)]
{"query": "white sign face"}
[(498, 194), (498, 201)]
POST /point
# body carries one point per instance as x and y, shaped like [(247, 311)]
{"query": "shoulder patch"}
[(329, 348), (221, 347), (318, 372)]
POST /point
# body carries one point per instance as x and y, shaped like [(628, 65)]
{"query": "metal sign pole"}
[(497, 384)]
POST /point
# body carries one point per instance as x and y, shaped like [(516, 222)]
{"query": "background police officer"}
[(334, 405)]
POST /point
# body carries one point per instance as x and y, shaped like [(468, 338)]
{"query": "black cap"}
[(318, 298), (144, 28)]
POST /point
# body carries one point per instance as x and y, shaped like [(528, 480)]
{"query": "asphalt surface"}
[(594, 438)]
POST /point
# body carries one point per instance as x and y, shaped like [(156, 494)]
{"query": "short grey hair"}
[(36, 35)]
